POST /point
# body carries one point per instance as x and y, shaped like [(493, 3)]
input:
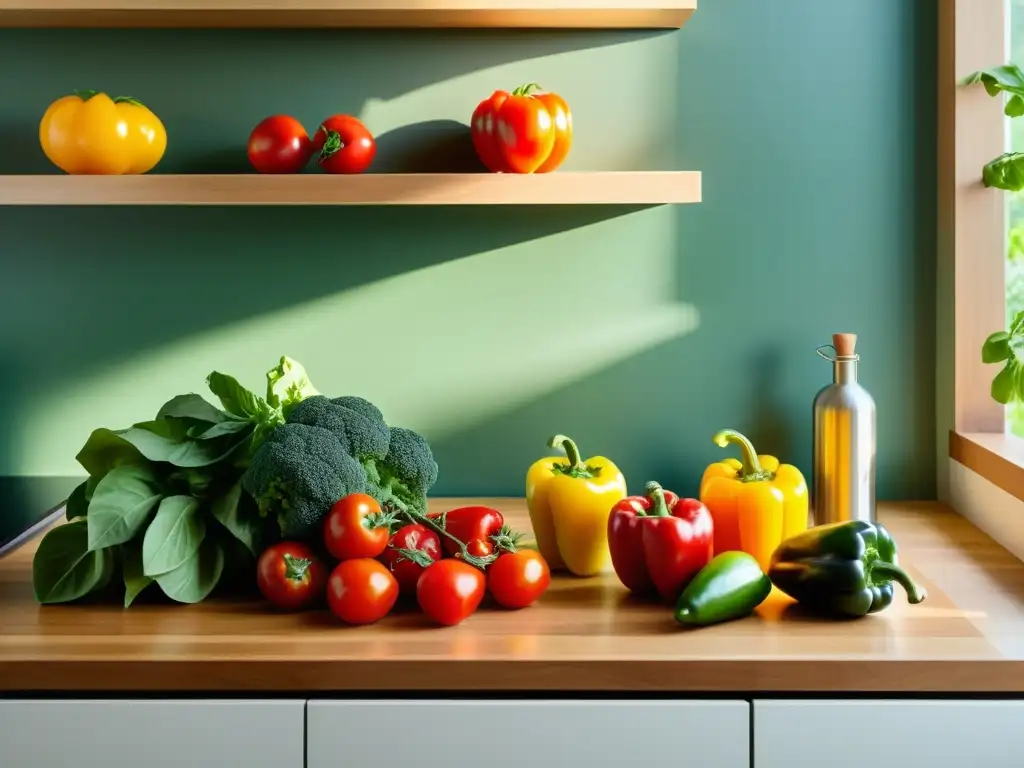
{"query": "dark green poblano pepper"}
[(841, 569)]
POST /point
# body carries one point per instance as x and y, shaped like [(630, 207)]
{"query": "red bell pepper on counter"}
[(659, 542)]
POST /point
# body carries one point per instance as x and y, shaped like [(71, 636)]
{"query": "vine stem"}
[(416, 517)]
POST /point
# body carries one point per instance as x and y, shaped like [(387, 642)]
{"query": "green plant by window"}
[(1007, 170)]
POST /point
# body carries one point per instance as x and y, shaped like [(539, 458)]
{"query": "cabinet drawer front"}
[(155, 734), (537, 734), (888, 734)]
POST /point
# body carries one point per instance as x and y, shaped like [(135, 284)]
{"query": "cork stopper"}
[(844, 344)]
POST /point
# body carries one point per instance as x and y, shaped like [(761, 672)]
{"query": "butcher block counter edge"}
[(584, 635)]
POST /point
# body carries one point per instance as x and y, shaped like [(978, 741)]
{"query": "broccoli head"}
[(298, 474), (356, 423), (407, 473)]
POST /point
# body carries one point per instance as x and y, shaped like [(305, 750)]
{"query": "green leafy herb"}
[(1007, 170), (135, 580), (65, 569), (158, 441), (77, 504), (1007, 347), (235, 398), (195, 578), (288, 385), (174, 535), (163, 500), (191, 406), (104, 450), (120, 505), (246, 528)]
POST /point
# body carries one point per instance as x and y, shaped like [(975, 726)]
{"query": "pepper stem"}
[(752, 469), (915, 594), (571, 451), (656, 494)]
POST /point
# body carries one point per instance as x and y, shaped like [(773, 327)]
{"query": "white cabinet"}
[(538, 734), (888, 734), (155, 734)]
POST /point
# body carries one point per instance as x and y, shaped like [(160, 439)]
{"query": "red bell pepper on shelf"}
[(659, 542), (481, 529)]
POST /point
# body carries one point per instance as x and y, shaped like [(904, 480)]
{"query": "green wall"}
[(639, 332)]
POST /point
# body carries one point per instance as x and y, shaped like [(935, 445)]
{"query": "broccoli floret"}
[(407, 473), (358, 425), (298, 474)]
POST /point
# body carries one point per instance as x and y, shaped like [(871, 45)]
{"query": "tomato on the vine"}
[(412, 549), (290, 575), (517, 579), (361, 591), (344, 145), (525, 131), (481, 529), (356, 527), (279, 144), (450, 590)]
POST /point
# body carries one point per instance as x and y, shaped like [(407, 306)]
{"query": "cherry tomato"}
[(344, 145), (290, 575), (279, 144), (481, 529), (356, 527), (411, 550), (516, 579), (361, 591), (450, 590)]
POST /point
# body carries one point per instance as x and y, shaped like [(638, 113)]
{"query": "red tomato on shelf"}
[(290, 575), (525, 131), (279, 144), (344, 145), (361, 591)]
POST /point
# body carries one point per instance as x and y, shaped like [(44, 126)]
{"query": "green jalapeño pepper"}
[(841, 569)]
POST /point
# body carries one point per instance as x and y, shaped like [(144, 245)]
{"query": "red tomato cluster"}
[(280, 144), (526, 131), (376, 566)]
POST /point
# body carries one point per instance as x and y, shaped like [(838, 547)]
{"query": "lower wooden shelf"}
[(597, 188)]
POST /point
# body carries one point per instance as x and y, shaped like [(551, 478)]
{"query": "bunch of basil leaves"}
[(163, 501)]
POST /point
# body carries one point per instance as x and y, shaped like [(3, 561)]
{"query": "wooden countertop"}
[(584, 635)]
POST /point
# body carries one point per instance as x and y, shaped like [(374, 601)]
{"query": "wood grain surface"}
[(585, 635), (568, 188), (594, 14)]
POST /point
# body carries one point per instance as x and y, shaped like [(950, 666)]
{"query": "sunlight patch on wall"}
[(631, 128), (439, 349)]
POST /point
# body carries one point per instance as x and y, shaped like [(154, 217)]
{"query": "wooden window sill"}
[(999, 458)]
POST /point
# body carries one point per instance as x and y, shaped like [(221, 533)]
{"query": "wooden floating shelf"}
[(581, 14), (600, 188)]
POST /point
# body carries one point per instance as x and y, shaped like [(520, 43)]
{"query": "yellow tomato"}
[(91, 133)]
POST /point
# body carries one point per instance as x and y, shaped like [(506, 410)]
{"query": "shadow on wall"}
[(212, 98)]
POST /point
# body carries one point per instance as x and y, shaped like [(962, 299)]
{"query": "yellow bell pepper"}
[(755, 504), (569, 501), (91, 133)]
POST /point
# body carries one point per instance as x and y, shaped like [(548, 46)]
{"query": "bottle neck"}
[(844, 371)]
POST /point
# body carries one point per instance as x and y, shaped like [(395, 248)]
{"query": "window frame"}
[(972, 229)]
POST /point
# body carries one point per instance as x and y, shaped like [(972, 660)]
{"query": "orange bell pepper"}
[(755, 504)]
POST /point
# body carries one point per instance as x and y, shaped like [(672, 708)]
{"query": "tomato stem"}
[(526, 90), (418, 556), (416, 517), (295, 567), (332, 144)]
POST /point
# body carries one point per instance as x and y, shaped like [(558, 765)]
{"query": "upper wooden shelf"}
[(581, 14), (599, 188)]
